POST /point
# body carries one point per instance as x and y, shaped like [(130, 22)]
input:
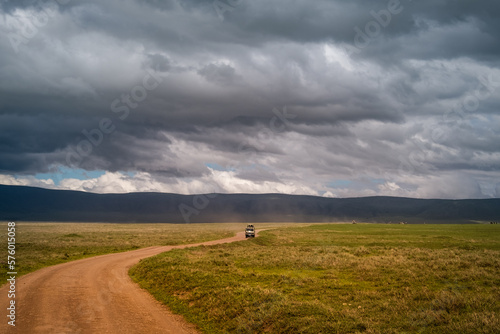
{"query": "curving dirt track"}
[(93, 295)]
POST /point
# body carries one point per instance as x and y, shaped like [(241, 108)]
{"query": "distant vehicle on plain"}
[(250, 231)]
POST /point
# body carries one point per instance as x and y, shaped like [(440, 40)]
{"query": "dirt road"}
[(93, 295)]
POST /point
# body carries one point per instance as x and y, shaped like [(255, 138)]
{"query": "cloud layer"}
[(332, 98)]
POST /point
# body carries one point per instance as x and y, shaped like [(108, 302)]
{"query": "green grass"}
[(40, 245), (43, 244), (337, 278)]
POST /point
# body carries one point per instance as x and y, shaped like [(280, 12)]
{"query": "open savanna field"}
[(298, 278), (43, 244), (337, 278)]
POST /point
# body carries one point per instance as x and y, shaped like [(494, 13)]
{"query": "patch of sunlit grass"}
[(337, 279)]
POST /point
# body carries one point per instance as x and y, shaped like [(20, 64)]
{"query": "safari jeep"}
[(250, 231)]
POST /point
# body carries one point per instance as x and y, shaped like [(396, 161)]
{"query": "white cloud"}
[(30, 181), (383, 118)]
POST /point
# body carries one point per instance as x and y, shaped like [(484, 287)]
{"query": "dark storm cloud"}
[(183, 86)]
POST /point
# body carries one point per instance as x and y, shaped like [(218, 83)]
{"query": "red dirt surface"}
[(93, 295)]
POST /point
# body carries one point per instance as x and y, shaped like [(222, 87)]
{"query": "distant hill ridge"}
[(21, 203)]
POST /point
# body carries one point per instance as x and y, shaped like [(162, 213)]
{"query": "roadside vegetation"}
[(336, 278), (43, 244), (40, 245)]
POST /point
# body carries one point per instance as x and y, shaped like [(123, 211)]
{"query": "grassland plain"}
[(337, 278), (43, 244)]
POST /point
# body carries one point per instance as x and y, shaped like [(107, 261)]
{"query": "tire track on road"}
[(93, 295)]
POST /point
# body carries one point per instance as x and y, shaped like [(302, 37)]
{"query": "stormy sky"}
[(325, 97)]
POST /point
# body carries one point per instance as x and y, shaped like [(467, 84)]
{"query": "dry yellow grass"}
[(42, 244)]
